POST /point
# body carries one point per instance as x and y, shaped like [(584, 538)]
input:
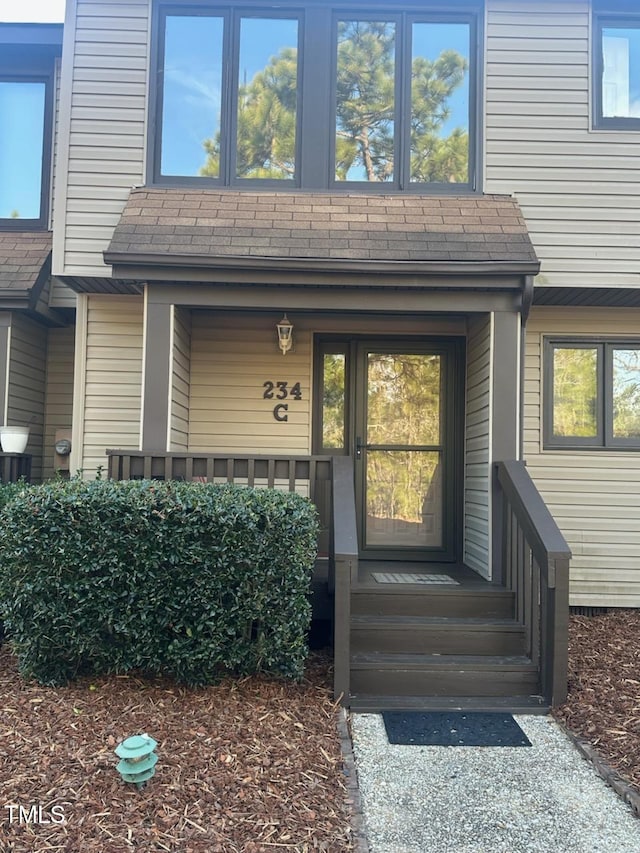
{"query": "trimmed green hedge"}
[(193, 580), (9, 490)]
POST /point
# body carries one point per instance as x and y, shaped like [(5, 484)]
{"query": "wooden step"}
[(378, 674), (411, 600), (436, 635), (495, 704)]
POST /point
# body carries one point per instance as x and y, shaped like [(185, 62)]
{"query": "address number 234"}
[(281, 391)]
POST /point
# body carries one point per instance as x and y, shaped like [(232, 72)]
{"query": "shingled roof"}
[(211, 227), (22, 259)]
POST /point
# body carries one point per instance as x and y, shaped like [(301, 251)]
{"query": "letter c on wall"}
[(279, 410)]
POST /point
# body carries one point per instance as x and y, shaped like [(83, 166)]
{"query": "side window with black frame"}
[(330, 431), (592, 394), (24, 152), (616, 66)]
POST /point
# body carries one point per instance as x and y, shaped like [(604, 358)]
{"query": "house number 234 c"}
[(281, 391)]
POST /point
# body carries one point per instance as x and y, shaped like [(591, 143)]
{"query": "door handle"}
[(360, 446)]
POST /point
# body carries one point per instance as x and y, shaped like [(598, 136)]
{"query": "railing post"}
[(344, 559), (556, 635), (342, 631)]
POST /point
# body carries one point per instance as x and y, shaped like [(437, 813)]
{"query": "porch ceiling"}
[(356, 234), (604, 297)]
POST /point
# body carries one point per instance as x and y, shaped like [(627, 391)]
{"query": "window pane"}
[(365, 102), (21, 149), (626, 393), (403, 402), (404, 499), (267, 98), (440, 103), (621, 75), (575, 394), (191, 95), (333, 400)]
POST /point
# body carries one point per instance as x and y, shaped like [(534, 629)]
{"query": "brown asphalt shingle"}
[(216, 224), (22, 255)]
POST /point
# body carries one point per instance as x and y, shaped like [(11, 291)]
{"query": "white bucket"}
[(14, 439)]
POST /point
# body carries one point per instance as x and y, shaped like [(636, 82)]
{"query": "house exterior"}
[(440, 197)]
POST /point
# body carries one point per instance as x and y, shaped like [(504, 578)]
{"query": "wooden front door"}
[(393, 405)]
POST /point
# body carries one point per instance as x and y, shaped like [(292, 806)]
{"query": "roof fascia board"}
[(154, 266)]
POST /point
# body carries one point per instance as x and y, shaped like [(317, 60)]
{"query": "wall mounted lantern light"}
[(285, 334)]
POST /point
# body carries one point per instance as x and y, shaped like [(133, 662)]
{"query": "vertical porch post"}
[(505, 422), (156, 374), (5, 322)]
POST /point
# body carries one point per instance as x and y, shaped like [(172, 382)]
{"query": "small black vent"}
[(587, 611)]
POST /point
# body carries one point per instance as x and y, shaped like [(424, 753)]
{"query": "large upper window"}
[(592, 394), (389, 98), (617, 71), (229, 96), (24, 159), (388, 103)]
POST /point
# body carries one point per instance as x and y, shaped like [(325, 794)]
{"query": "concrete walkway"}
[(545, 798)]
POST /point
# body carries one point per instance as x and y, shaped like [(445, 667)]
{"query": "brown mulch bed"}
[(251, 765), (603, 706)]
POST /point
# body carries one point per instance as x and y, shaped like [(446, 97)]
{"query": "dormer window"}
[(24, 152)]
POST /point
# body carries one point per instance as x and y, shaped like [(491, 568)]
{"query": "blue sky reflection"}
[(192, 91), (21, 147)]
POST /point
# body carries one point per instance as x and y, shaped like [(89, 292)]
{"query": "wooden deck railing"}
[(536, 567), (14, 467), (326, 480)]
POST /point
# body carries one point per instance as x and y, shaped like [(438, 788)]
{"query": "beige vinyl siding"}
[(593, 495), (231, 358), (112, 377), (58, 409), (106, 114), (477, 447), (26, 391), (579, 189), (180, 379)]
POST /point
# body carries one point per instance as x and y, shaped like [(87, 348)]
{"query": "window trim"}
[(315, 151), (604, 440), (41, 222), (600, 21)]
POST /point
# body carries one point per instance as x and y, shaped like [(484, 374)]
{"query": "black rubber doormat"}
[(453, 728)]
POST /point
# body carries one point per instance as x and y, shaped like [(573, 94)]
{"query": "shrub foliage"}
[(192, 580)]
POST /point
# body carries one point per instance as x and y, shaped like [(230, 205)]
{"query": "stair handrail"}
[(343, 555), (536, 561)]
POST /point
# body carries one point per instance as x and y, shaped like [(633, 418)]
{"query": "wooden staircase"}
[(439, 647)]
